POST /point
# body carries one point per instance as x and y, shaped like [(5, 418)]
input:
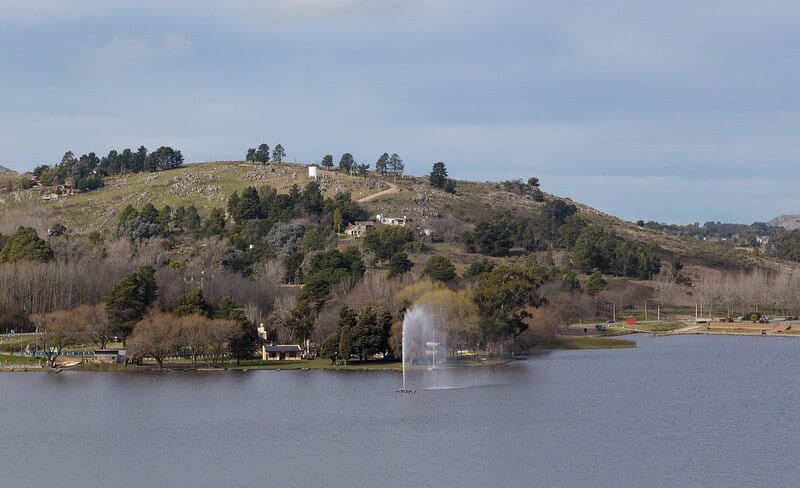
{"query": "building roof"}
[(283, 348)]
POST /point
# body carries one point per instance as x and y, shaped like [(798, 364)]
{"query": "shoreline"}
[(563, 342)]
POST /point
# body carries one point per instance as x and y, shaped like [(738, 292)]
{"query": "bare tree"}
[(96, 322), (155, 335), (218, 333), (58, 330), (192, 334)]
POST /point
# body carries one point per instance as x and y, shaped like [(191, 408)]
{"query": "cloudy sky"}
[(676, 111)]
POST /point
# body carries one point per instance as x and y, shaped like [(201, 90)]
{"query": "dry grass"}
[(208, 185)]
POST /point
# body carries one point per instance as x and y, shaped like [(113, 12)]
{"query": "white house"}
[(401, 221)]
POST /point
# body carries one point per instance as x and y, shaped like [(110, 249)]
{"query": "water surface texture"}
[(676, 411)]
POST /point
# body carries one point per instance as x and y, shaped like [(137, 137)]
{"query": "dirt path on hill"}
[(392, 189)]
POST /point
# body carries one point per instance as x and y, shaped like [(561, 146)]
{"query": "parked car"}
[(600, 327)]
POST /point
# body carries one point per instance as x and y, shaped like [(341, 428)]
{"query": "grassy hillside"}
[(208, 185), (205, 186)]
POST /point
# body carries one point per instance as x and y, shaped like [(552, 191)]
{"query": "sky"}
[(678, 112)]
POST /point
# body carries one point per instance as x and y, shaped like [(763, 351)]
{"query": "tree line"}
[(87, 171), (131, 313)]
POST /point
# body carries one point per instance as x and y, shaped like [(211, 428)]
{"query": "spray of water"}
[(423, 344), (424, 357)]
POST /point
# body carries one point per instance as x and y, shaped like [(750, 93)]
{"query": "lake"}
[(676, 411)]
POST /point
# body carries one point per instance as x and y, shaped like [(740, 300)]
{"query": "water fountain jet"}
[(422, 344)]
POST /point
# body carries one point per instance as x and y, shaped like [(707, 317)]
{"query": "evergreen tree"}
[(438, 175), (327, 161), (382, 164), (595, 284), (346, 162), (399, 264), (387, 240), (439, 268), (214, 224), (278, 154), (192, 302), (502, 296), (244, 341), (191, 222), (25, 245), (312, 199), (395, 164), (138, 159), (262, 153), (129, 299), (337, 220)]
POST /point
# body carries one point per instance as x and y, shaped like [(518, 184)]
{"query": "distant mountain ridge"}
[(4, 170), (788, 222)]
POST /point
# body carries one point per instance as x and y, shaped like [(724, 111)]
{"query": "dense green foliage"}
[(346, 162), (599, 250), (438, 178), (736, 234), (327, 269), (529, 188), (439, 268), (478, 268), (491, 237), (595, 284), (359, 333), (387, 240), (502, 296), (244, 341), (87, 172), (555, 225), (129, 299), (24, 245), (785, 245), (399, 264), (192, 302)]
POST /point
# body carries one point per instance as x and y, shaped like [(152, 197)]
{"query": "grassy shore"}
[(9, 359), (561, 342), (588, 342)]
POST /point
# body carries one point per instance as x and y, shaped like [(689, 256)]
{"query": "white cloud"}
[(307, 9), (43, 10), (123, 50)]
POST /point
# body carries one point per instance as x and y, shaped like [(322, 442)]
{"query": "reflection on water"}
[(676, 411), (445, 378)]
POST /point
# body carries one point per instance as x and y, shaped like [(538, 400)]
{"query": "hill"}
[(258, 246), (209, 185), (788, 222)]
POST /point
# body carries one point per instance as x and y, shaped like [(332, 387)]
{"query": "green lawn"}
[(16, 343), (656, 326), (9, 359)]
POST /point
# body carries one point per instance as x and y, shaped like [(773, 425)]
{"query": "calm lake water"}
[(676, 411)]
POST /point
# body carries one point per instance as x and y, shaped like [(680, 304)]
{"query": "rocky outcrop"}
[(788, 222)]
